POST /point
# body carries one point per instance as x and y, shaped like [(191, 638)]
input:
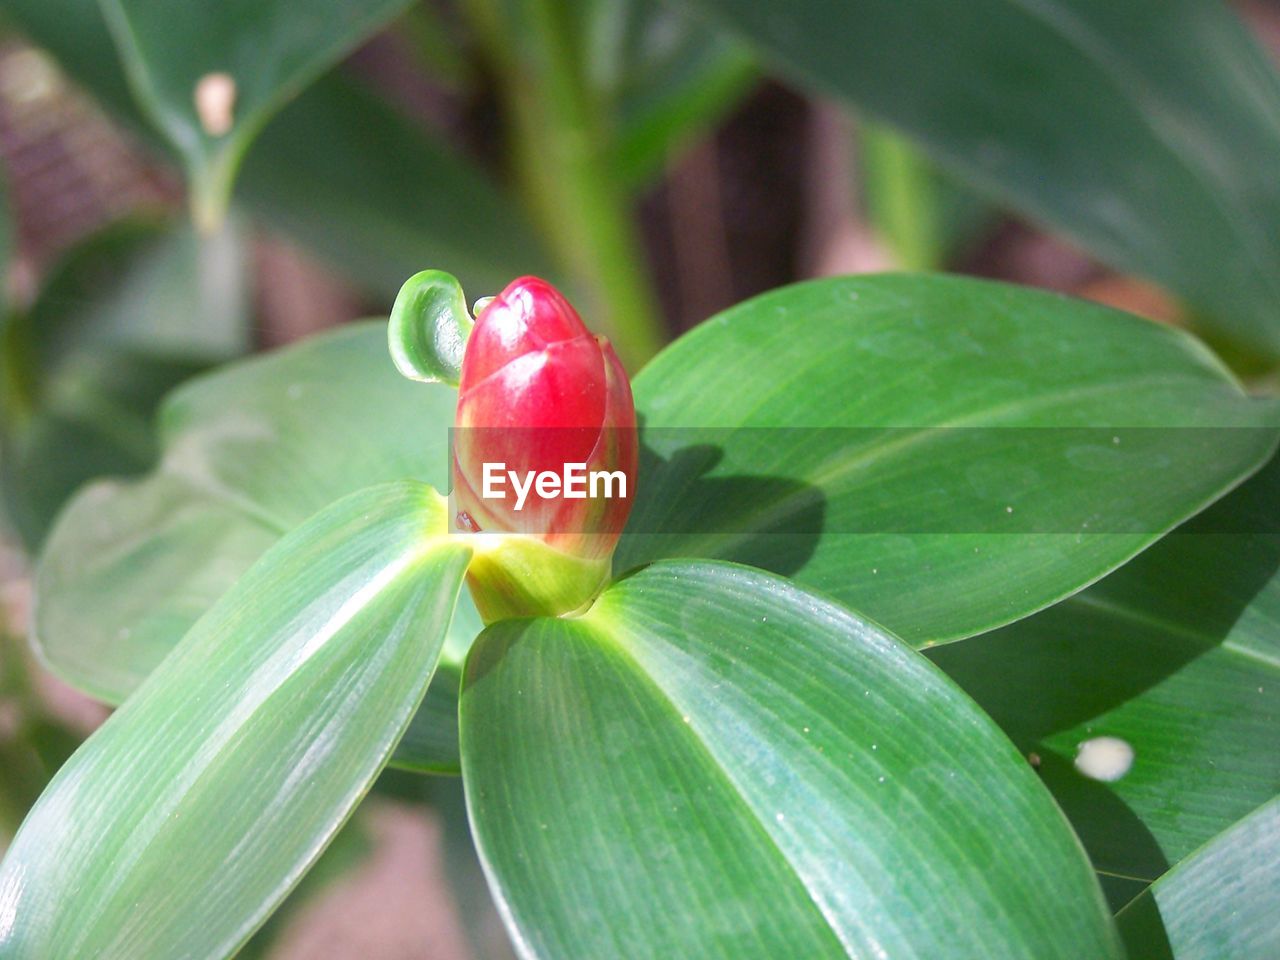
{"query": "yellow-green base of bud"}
[(520, 576)]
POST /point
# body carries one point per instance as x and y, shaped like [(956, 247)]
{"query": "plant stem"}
[(901, 198), (923, 216), (562, 153)]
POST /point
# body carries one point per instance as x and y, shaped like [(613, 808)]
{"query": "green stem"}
[(901, 199), (925, 218), (563, 153), (209, 191), (19, 384)]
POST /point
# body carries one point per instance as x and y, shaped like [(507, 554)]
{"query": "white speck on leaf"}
[(1104, 758), (215, 100)]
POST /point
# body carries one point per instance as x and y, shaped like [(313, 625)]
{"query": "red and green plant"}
[(899, 550)]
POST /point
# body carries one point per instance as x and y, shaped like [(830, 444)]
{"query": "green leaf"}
[(1120, 891), (124, 317), (1146, 131), (713, 762), (1219, 904), (249, 452), (945, 455), (211, 75), (198, 805), (1178, 654), (382, 200), (429, 327), (663, 76)]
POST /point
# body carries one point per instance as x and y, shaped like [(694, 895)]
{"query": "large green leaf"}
[(191, 813), (124, 317), (249, 452), (1220, 904), (713, 762), (177, 54), (946, 455), (1178, 654), (382, 200), (1148, 131)]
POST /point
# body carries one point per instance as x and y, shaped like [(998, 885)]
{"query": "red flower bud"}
[(545, 445)]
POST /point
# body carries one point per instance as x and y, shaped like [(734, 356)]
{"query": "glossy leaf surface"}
[(713, 762), (429, 326), (195, 808), (250, 451), (1219, 904), (210, 75), (945, 455), (1148, 131), (1178, 654)]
